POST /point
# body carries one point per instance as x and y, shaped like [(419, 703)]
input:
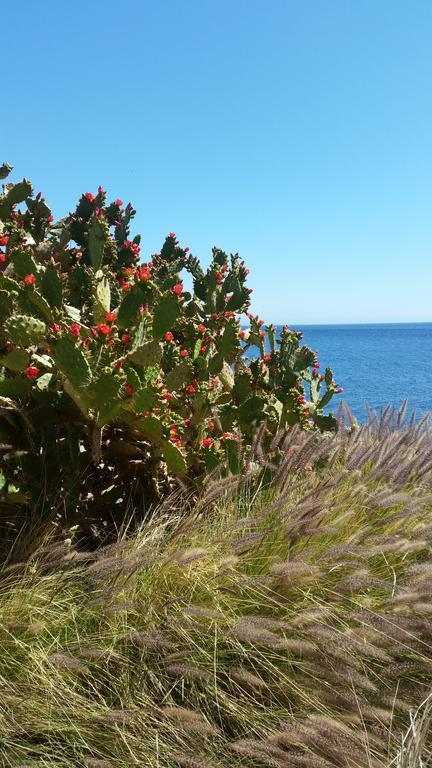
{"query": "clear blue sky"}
[(297, 133)]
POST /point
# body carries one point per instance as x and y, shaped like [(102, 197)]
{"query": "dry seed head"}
[(244, 677), (61, 661), (187, 670), (96, 762), (151, 640), (190, 720)]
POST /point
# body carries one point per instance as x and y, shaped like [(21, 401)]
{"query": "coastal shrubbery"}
[(121, 379)]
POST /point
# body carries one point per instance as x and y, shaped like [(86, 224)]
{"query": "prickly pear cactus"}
[(113, 364)]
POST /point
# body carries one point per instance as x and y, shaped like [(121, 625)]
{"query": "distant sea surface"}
[(376, 364)]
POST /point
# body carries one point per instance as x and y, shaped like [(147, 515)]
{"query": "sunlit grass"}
[(284, 627)]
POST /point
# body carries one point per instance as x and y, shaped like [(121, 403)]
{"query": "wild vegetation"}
[(279, 626), (199, 566), (123, 379)]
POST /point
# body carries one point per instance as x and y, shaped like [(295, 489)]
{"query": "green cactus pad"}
[(226, 377), (52, 287), (148, 354), (215, 364), (165, 315), (24, 330), (173, 458), (33, 301), (252, 410), (242, 387), (232, 453), (97, 236), (325, 399), (103, 396), (5, 306), (228, 341), (5, 170), (16, 360), (179, 376), (72, 362), (23, 263), (128, 310), (150, 427), (145, 399), (103, 297), (132, 376), (15, 194)]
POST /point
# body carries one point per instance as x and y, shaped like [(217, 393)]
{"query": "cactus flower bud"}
[(118, 203), (169, 336), (184, 353), (4, 240), (103, 329), (167, 395), (211, 425), (207, 442), (126, 339), (55, 328), (144, 273), (88, 196), (30, 279), (125, 286), (339, 390), (301, 400), (322, 377), (172, 235), (129, 389), (117, 365), (267, 358), (191, 389), (110, 317), (201, 328), (2, 258), (203, 348), (75, 330), (178, 289), (32, 372)]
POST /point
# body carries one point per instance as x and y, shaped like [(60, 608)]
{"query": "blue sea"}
[(376, 364)]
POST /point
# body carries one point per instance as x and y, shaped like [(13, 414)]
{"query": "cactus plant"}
[(99, 350)]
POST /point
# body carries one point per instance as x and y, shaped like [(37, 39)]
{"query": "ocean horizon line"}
[(292, 324)]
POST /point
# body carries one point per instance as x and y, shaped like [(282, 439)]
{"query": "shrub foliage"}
[(114, 372)]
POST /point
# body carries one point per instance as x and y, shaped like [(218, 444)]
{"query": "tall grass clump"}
[(287, 625)]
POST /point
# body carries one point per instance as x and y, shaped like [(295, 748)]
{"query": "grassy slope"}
[(291, 627)]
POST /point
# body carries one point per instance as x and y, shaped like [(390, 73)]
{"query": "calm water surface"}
[(376, 364)]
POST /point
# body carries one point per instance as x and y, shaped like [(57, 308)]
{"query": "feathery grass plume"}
[(61, 661), (243, 676), (189, 720), (151, 640), (188, 670), (184, 761)]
